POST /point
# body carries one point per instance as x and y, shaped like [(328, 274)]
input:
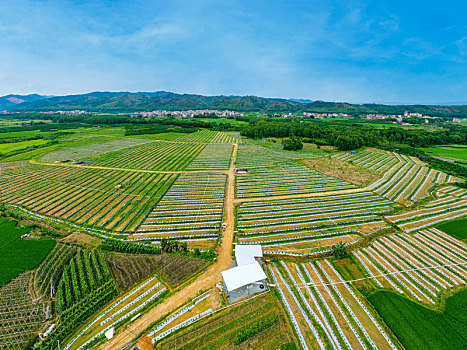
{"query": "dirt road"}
[(205, 281)]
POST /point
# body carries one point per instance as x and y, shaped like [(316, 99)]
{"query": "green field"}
[(18, 255), (456, 228), (16, 146), (448, 151), (418, 327)]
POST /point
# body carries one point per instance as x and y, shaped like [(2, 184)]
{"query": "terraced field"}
[(325, 312), (306, 224), (421, 266), (110, 199), (452, 204), (286, 179), (191, 209), (405, 180)]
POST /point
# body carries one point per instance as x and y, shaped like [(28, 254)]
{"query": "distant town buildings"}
[(188, 114), (325, 115)]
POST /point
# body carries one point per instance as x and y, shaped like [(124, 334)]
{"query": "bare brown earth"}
[(353, 173)]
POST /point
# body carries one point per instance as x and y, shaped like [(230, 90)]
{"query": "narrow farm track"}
[(206, 281)]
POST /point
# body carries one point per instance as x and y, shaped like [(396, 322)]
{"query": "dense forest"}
[(348, 137)]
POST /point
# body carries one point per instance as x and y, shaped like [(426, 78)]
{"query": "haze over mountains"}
[(127, 102)]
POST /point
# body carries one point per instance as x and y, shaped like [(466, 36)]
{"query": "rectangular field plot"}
[(262, 318), (213, 156), (251, 156), (121, 310), (158, 155), (20, 316), (325, 312), (421, 266), (295, 224), (111, 199), (207, 136), (405, 179), (91, 149), (192, 208), (286, 179)]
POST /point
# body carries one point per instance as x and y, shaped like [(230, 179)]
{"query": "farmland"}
[(21, 315), (449, 151), (418, 327), (219, 332), (286, 178), (18, 255), (280, 225), (404, 180), (456, 228), (109, 199), (397, 220)]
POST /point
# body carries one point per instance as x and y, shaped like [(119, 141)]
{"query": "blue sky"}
[(356, 51)]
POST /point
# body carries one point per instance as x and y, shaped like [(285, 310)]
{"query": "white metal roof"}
[(245, 254), (240, 276)]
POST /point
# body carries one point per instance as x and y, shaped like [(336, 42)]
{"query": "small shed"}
[(243, 281), (246, 254)]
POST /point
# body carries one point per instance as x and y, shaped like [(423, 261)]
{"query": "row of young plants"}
[(342, 323), (192, 208), (212, 157), (50, 270), (133, 300), (73, 317), (84, 274), (288, 178), (111, 199), (158, 155), (20, 315), (422, 266)]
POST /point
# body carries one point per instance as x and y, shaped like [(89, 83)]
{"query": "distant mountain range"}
[(126, 102), (13, 100)]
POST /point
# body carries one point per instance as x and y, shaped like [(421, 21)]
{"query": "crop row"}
[(213, 156), (207, 136), (337, 317), (285, 179), (84, 274), (50, 270), (192, 207), (159, 155), (422, 265), (20, 315), (254, 156), (110, 199)]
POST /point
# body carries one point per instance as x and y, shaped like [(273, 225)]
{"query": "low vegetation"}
[(418, 327), (347, 171), (19, 254)]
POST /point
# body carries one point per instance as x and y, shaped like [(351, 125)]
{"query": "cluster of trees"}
[(339, 251), (170, 246), (292, 144), (348, 137), (128, 247)]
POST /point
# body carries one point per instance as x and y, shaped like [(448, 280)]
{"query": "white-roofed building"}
[(244, 281), (246, 254)]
